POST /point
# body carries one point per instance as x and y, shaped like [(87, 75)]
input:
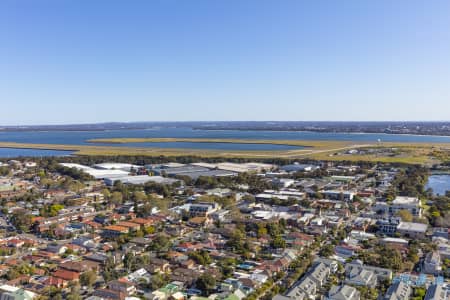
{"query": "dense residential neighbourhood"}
[(224, 150), (74, 228)]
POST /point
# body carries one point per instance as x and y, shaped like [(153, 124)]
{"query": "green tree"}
[(12, 274), (405, 215), (21, 220), (74, 292), (55, 208), (106, 193), (419, 293), (413, 254), (116, 198), (368, 293), (129, 261), (201, 257), (262, 230), (390, 258), (158, 281), (278, 242), (139, 196), (160, 242), (88, 278), (327, 250), (236, 240), (206, 283)]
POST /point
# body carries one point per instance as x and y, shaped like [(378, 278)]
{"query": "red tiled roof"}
[(117, 228), (33, 258), (92, 224), (54, 281), (128, 224), (66, 275), (12, 262), (38, 271), (142, 221)]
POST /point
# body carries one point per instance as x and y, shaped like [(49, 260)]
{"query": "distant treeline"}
[(145, 160), (419, 128)]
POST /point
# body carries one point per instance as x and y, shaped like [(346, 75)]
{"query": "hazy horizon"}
[(224, 121), (74, 62)]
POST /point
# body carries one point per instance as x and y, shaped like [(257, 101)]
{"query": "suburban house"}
[(398, 291), (432, 263), (343, 292), (437, 292), (412, 230)]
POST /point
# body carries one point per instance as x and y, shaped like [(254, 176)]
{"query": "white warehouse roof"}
[(96, 173), (140, 179), (117, 166), (75, 166)]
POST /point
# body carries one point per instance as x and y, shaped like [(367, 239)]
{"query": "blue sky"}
[(69, 61)]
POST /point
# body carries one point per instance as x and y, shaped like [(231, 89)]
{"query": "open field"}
[(302, 143), (418, 153), (115, 150)]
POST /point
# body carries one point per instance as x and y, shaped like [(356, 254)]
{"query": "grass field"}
[(417, 153), (302, 143)]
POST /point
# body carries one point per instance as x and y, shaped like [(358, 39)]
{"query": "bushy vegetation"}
[(409, 181)]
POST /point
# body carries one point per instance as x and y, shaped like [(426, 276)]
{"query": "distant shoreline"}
[(418, 128), (322, 131), (439, 129), (227, 129)]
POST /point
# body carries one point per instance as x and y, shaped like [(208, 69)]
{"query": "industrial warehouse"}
[(163, 173)]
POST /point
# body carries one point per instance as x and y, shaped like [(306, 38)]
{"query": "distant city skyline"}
[(77, 62)]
